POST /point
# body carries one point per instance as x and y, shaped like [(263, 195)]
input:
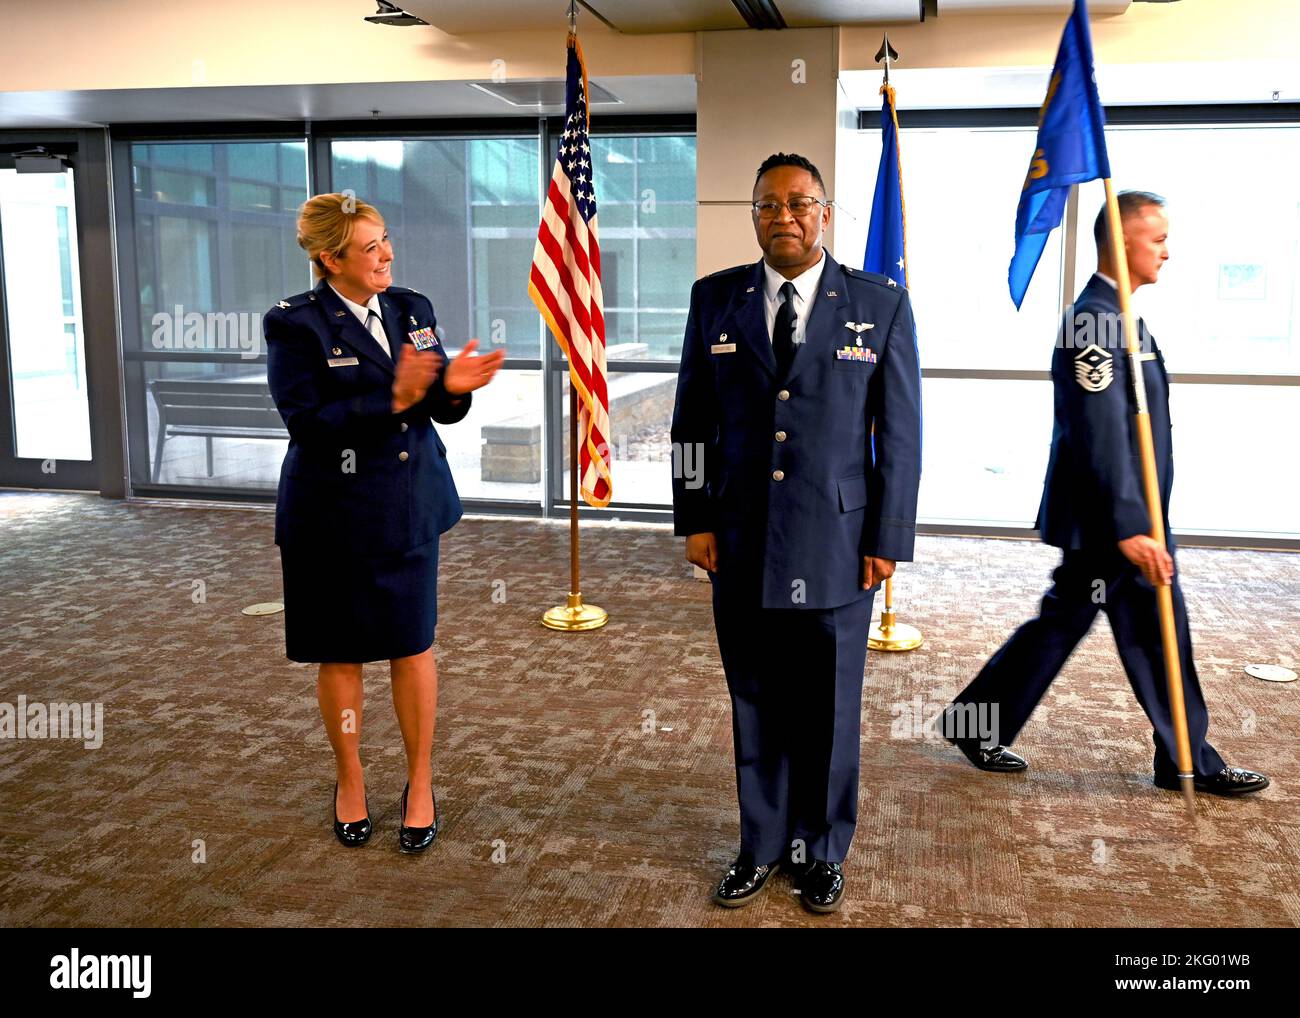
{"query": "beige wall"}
[(93, 44), (751, 103)]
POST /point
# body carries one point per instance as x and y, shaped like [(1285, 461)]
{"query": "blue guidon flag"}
[(887, 236), (1071, 148)]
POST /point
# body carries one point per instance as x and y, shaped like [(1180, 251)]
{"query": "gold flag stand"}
[(892, 634), (1150, 481), (574, 616)]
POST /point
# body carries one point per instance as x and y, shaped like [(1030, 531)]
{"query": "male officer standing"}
[(797, 514), (1094, 510)]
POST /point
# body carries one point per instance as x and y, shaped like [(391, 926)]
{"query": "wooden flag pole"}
[(1151, 483), (891, 634)]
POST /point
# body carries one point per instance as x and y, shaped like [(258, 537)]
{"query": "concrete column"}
[(758, 93)]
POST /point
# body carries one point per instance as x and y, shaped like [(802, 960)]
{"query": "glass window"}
[(645, 191), (1223, 305), (958, 249), (214, 227), (42, 303), (1226, 480), (463, 214), (1226, 299), (986, 449)]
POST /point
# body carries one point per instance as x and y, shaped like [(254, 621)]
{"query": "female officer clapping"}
[(359, 376)]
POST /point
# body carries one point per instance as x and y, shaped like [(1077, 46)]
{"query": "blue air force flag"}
[(1071, 148), (886, 237)]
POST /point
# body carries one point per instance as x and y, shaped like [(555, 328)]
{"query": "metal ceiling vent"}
[(541, 93)]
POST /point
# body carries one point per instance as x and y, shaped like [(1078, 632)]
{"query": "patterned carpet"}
[(208, 803)]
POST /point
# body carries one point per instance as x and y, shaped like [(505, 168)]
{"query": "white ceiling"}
[(462, 17), (639, 94), (465, 17)]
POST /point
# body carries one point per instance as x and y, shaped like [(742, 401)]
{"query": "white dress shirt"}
[(805, 289), (375, 326)]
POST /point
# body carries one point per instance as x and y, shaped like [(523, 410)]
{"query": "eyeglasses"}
[(799, 206)]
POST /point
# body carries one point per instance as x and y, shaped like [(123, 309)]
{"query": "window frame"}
[(1278, 114), (319, 135)]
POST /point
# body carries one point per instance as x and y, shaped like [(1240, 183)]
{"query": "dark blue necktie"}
[(783, 330)]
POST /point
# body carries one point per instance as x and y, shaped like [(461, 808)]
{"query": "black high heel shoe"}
[(416, 839), (354, 832)]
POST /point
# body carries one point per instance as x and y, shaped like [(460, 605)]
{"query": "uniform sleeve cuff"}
[(895, 540)]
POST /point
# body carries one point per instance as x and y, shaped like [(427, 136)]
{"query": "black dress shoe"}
[(1229, 781), (353, 832), (821, 886), (416, 839), (742, 883), (995, 758)]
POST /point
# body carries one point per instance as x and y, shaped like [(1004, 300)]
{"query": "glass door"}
[(45, 434)]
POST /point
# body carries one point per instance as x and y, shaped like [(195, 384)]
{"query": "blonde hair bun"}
[(326, 222)]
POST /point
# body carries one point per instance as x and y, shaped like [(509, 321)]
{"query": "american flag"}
[(565, 282)]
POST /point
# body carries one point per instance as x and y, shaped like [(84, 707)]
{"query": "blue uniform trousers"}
[(795, 678), (1017, 676)]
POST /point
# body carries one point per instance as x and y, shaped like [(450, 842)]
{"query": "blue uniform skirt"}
[(340, 608)]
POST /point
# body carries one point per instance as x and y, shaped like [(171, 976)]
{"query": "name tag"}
[(342, 362), (422, 339), (723, 348)]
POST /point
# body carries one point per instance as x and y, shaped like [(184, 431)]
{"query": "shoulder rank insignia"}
[(1094, 368), (283, 304), (890, 281)]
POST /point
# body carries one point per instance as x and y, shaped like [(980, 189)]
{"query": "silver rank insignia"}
[(890, 281), (1094, 368), (283, 304)]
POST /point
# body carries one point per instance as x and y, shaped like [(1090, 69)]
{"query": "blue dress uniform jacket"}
[(1093, 494), (357, 478), (784, 470), (1092, 499), (785, 473)]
